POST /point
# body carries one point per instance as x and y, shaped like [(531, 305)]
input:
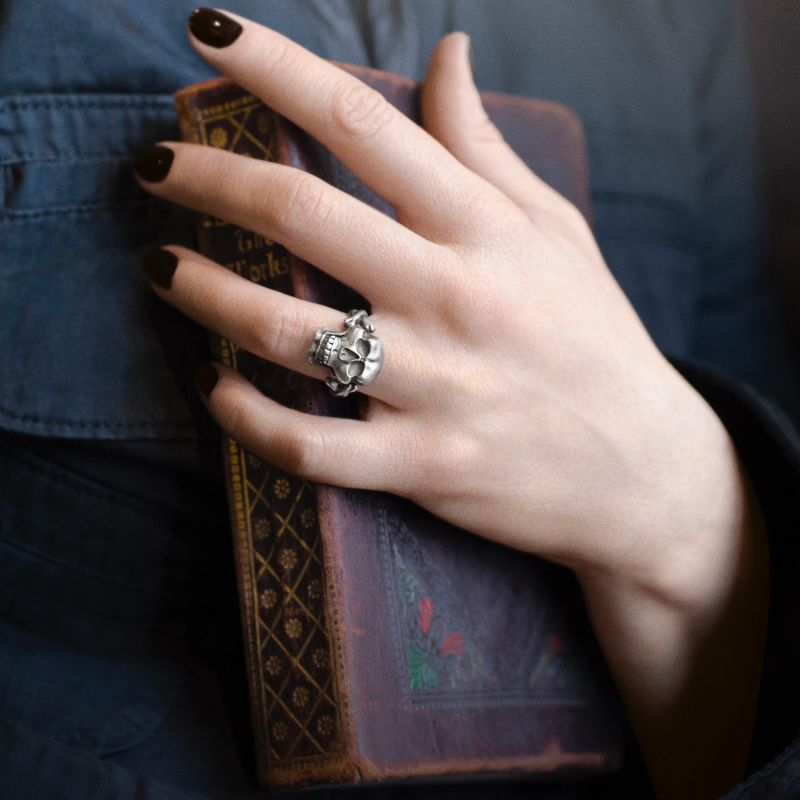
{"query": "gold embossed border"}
[(280, 544), (297, 715)]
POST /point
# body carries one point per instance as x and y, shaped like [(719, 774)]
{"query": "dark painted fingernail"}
[(152, 164), (206, 377), (159, 265), (213, 28)]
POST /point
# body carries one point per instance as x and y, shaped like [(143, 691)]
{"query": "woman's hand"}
[(520, 398)]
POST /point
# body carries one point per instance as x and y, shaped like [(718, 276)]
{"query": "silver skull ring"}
[(354, 356)]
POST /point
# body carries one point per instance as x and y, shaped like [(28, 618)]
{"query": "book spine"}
[(285, 585)]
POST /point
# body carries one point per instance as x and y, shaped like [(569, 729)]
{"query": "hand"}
[(520, 398)]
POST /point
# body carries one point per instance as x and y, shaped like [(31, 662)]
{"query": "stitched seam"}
[(37, 420), (79, 210), (54, 157), (24, 104), (85, 208)]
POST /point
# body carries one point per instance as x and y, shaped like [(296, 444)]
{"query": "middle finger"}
[(378, 257)]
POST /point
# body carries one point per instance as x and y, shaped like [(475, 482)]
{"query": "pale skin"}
[(521, 397)]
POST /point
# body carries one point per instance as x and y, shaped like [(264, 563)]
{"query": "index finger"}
[(432, 192)]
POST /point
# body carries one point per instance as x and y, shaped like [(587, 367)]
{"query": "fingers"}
[(344, 452), (432, 192), (350, 240), (452, 112), (268, 323)]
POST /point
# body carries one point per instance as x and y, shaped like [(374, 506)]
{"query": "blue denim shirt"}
[(662, 90), (110, 590)]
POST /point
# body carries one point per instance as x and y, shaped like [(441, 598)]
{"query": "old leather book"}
[(381, 643)]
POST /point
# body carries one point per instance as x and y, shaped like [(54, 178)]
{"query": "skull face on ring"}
[(354, 356)]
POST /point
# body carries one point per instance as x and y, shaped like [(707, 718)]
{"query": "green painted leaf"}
[(423, 675)]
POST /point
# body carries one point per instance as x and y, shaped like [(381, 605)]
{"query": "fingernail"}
[(206, 377), (159, 265), (152, 164), (213, 28)]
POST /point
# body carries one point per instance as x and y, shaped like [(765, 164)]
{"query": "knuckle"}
[(563, 220), (477, 301), (485, 132), (277, 331), (573, 218), (483, 208), (472, 140), (440, 470), (300, 452), (444, 287), (444, 268), (278, 57), (309, 204), (237, 420), (360, 110)]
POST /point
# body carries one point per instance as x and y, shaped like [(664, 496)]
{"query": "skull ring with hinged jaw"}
[(354, 356)]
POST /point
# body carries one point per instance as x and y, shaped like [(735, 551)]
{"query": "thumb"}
[(453, 113)]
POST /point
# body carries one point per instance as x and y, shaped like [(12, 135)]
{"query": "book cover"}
[(383, 644)]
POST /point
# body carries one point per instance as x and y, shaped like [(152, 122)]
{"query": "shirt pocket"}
[(88, 351)]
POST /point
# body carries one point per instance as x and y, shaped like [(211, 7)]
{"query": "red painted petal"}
[(425, 613), (454, 644)]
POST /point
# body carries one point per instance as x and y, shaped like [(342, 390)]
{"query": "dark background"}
[(774, 29)]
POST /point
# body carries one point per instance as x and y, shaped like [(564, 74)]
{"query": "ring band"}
[(354, 356)]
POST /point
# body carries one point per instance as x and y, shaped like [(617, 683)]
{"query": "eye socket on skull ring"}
[(354, 356)]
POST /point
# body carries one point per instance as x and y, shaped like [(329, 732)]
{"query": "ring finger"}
[(268, 323)]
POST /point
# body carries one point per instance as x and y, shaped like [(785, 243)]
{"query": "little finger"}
[(345, 452)]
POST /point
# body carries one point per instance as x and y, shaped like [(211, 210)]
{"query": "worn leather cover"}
[(383, 644)]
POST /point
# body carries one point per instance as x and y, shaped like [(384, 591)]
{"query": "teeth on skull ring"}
[(354, 356)]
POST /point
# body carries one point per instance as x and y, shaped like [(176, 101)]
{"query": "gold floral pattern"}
[(268, 598), (288, 558), (262, 529), (325, 725), (274, 665), (315, 589), (293, 628), (319, 658), (218, 137), (280, 730), (283, 638), (300, 696)]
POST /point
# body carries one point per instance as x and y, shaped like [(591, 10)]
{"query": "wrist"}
[(677, 528), (681, 617)]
